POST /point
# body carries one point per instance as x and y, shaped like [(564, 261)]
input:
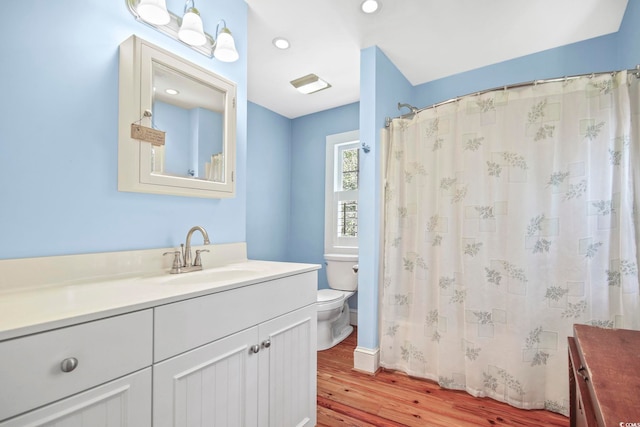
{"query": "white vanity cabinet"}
[(250, 359), (75, 368), (164, 350)]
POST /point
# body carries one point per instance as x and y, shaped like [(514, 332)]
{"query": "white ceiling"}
[(425, 39)]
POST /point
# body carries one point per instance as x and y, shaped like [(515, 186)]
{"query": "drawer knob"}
[(69, 364), (266, 344), (254, 348)]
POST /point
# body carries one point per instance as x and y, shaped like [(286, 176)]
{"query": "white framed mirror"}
[(195, 109)]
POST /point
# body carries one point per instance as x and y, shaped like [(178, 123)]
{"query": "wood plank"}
[(328, 417), (389, 398)]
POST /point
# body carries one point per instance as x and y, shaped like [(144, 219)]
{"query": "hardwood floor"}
[(350, 398)]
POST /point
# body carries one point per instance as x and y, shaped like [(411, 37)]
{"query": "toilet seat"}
[(328, 299), (327, 295)]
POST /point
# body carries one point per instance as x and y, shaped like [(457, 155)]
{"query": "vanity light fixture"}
[(281, 43), (370, 6), (310, 84), (187, 29)]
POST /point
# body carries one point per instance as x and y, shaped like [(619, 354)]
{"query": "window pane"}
[(350, 181), (350, 169), (348, 219)]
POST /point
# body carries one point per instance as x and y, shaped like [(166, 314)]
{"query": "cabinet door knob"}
[(266, 343), (69, 364), (254, 348)]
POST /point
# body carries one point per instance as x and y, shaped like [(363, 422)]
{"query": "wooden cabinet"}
[(604, 377)]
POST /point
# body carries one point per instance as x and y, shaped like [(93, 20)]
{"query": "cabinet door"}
[(119, 403), (212, 385), (288, 363)]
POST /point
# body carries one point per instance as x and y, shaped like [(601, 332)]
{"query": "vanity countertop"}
[(34, 310)]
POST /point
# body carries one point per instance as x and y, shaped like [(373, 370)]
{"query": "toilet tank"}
[(340, 271)]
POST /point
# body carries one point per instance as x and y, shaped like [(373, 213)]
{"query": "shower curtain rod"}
[(635, 71)]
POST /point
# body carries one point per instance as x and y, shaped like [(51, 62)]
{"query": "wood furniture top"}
[(611, 358)]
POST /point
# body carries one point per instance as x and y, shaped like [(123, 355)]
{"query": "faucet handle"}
[(177, 263), (198, 261)]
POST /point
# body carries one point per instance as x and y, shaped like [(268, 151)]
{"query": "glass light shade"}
[(191, 31), (153, 12), (225, 48)]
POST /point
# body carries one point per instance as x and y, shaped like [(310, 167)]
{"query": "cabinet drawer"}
[(31, 371), (119, 403), (184, 325)]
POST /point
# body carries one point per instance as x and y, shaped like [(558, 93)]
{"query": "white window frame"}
[(335, 144)]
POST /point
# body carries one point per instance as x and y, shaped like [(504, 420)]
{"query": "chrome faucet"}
[(185, 265), (187, 248)]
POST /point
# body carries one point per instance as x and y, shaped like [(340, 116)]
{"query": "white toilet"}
[(332, 304)]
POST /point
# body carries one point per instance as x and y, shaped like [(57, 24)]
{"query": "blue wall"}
[(598, 54), (285, 196), (629, 37), (209, 125), (382, 86), (59, 133), (308, 142), (178, 123), (268, 184)]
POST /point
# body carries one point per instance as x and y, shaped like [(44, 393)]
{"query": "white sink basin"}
[(212, 275)]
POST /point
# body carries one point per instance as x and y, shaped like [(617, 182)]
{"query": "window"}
[(341, 193)]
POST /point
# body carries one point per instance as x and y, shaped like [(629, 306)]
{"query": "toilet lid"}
[(326, 295)]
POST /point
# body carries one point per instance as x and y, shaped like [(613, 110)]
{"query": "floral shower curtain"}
[(509, 217)]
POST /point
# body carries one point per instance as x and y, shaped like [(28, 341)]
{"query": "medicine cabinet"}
[(186, 115)]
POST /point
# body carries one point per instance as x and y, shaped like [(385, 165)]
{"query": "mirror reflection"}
[(191, 113)]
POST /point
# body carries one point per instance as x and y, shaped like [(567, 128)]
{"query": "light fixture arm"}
[(217, 33), (193, 6)]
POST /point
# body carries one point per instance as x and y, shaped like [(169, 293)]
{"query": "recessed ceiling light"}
[(281, 43), (370, 6), (171, 91), (310, 84)]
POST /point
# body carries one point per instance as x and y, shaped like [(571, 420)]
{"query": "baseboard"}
[(353, 316), (366, 359)]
